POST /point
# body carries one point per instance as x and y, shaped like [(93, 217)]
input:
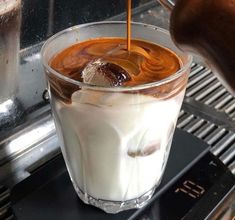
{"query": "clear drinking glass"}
[(10, 20), (115, 141)]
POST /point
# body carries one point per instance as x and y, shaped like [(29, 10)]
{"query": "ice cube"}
[(102, 73)]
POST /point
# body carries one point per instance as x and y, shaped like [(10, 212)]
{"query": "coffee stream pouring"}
[(206, 28)]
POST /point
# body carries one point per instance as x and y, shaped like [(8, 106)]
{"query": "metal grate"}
[(221, 140), (5, 210), (204, 87)]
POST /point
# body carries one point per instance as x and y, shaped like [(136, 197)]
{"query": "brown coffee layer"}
[(144, 63)]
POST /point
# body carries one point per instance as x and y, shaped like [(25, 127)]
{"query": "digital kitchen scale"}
[(194, 187)]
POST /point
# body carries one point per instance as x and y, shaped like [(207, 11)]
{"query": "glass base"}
[(116, 206)]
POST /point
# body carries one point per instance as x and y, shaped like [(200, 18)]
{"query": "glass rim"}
[(168, 79)]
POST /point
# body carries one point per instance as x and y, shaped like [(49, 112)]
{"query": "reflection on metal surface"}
[(36, 143), (32, 58), (32, 135), (5, 106), (11, 111)]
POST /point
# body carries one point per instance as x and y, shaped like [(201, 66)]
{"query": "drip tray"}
[(48, 193)]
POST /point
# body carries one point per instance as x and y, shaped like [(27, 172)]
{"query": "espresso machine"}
[(199, 181)]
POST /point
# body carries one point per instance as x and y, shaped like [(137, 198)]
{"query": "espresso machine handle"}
[(169, 4)]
